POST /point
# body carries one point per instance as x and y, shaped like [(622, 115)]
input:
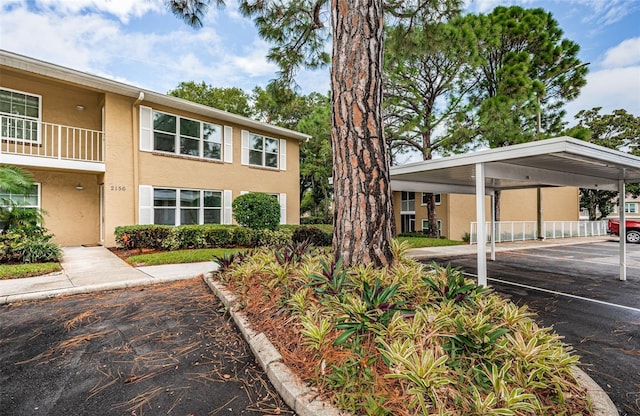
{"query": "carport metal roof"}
[(561, 161)]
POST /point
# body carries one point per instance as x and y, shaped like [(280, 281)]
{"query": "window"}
[(188, 137), (437, 196), (408, 202), (20, 115), (263, 151), (186, 206), (30, 200), (425, 225), (631, 207)]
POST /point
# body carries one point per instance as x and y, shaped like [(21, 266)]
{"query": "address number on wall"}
[(117, 188)]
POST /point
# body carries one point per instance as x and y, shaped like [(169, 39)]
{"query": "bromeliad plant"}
[(405, 340)]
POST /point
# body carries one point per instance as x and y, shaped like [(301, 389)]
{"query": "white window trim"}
[(628, 210), (38, 206), (281, 155), (403, 200), (146, 205), (147, 136), (422, 203), (38, 120)]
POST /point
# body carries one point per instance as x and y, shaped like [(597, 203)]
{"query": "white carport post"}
[(482, 227), (493, 226), (622, 230)]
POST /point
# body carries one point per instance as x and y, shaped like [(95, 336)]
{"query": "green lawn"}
[(179, 256), (417, 242), (17, 271)]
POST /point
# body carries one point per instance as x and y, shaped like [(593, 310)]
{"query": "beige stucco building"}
[(455, 212), (106, 154)]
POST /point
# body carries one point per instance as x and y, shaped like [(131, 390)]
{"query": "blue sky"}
[(138, 42)]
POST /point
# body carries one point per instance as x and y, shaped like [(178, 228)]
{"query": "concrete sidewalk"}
[(89, 269)]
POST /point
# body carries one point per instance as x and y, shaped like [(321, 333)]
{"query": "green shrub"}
[(257, 211), (142, 236), (314, 235), (39, 251), (273, 237), (313, 220)]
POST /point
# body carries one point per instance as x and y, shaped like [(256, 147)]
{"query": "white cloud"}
[(610, 89), (625, 54), (124, 10)]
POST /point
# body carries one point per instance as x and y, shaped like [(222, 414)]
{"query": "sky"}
[(139, 42)]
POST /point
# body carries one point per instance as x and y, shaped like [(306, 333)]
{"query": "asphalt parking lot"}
[(576, 289), (165, 349)]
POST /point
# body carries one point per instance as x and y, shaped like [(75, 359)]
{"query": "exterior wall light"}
[(79, 187)]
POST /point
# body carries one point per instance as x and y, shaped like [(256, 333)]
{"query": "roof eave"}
[(84, 79)]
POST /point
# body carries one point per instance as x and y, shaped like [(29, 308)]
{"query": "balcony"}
[(35, 143)]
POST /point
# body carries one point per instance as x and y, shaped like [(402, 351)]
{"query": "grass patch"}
[(417, 242), (17, 271), (179, 256)]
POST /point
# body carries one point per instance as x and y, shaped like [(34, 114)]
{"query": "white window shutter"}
[(283, 154), (245, 148), (226, 203), (146, 129), (145, 204), (228, 144), (283, 208)]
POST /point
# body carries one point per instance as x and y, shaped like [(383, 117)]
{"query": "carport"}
[(561, 161)]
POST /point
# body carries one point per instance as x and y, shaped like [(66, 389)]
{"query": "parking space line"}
[(568, 295), (517, 252)]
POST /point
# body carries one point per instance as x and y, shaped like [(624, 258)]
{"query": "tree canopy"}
[(232, 99)]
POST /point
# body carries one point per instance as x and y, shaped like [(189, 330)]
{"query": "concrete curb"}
[(101, 287), (602, 404), (298, 395), (302, 398)]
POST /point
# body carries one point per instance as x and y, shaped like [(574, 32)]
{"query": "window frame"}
[(30, 119), (38, 205), (629, 210), (408, 202), (178, 206), (437, 195), (263, 151), (178, 136)]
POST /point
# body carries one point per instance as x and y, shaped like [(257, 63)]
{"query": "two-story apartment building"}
[(106, 154), (455, 212)]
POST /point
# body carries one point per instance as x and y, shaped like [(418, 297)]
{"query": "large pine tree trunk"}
[(363, 214)]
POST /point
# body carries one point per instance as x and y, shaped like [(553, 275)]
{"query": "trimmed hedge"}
[(164, 237)]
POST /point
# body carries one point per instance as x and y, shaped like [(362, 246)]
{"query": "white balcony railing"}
[(25, 137), (528, 230)]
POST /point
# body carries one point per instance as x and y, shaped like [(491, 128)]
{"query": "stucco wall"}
[(71, 215)]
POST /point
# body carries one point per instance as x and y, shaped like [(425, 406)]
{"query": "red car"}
[(633, 229)]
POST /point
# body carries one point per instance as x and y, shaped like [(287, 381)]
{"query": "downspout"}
[(135, 149)]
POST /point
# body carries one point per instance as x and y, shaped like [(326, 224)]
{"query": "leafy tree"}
[(14, 180), (528, 71), (257, 211), (619, 130), (233, 99), (427, 69), (315, 161), (363, 215)]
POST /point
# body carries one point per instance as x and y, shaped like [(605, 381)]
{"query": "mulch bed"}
[(161, 350)]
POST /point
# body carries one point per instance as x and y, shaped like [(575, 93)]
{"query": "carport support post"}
[(482, 226), (622, 231), (493, 226)]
